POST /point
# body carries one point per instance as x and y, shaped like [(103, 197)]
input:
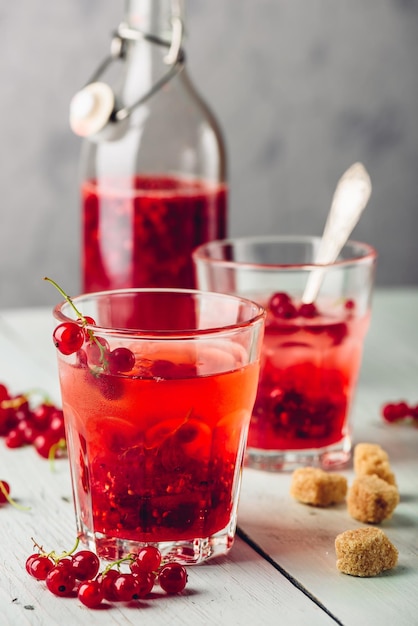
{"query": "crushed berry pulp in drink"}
[(140, 231), (157, 449), (310, 362)]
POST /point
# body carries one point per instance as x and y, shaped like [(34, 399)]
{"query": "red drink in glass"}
[(307, 381), (141, 232), (164, 466)]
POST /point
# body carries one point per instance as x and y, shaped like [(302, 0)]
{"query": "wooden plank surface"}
[(301, 538), (242, 588)]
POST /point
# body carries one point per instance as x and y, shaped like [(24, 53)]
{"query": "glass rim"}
[(199, 254), (257, 316)]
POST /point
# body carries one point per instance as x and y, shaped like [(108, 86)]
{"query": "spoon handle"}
[(350, 199)]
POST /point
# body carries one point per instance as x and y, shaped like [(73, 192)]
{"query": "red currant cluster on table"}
[(78, 574), (400, 411), (22, 424)]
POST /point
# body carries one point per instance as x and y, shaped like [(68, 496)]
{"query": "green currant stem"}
[(53, 555), (45, 398), (73, 549), (118, 563), (60, 445), (66, 297), (10, 499)]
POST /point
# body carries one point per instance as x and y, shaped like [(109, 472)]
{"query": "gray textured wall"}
[(302, 88)]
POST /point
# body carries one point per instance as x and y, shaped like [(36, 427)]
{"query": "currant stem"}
[(73, 549), (53, 555), (60, 445), (36, 545), (44, 397), (125, 559), (67, 298)]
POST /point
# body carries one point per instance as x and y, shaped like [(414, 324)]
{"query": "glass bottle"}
[(153, 179)]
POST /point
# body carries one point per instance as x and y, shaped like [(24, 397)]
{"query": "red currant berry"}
[(281, 305), (87, 321), (120, 360), (144, 583), (148, 559), (57, 425), (27, 430), (41, 415), (4, 491), (29, 561), (40, 567), (68, 337), (60, 581), (403, 410), (394, 411), (389, 413), (125, 587), (308, 310), (414, 411), (90, 593), (85, 565), (337, 332), (15, 438), (96, 354), (172, 577), (66, 563), (43, 444), (4, 394), (106, 580)]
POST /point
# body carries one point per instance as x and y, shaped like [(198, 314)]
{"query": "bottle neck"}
[(152, 59), (154, 17)]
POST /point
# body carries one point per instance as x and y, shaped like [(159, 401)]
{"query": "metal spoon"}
[(350, 199)]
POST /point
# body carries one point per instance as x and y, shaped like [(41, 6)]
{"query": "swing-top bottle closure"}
[(94, 106)]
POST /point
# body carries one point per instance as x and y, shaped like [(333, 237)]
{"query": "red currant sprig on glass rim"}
[(70, 337), (77, 573)]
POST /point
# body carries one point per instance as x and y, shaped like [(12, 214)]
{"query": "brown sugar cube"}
[(365, 552), (316, 487), (370, 458), (364, 450), (371, 499)]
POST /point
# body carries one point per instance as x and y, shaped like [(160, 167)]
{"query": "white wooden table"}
[(281, 569)]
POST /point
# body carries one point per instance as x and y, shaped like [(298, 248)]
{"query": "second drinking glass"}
[(311, 352)]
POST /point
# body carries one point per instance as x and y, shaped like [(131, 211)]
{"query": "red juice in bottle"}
[(308, 374), (141, 232), (157, 449)]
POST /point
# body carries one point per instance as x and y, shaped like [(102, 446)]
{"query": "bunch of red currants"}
[(78, 574), (22, 424)]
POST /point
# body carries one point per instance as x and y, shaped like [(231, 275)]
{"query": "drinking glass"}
[(157, 401), (312, 352)]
